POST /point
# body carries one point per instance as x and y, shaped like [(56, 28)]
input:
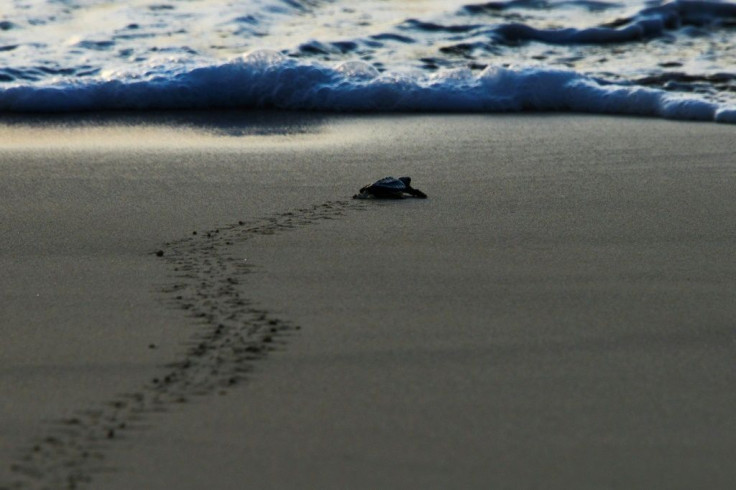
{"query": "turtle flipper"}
[(410, 190), (416, 193)]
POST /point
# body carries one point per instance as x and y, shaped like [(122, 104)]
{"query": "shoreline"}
[(583, 252)]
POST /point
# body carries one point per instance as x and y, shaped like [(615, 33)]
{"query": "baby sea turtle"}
[(390, 188)]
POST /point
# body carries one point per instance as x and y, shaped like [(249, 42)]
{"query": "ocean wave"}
[(591, 5), (266, 79), (648, 23)]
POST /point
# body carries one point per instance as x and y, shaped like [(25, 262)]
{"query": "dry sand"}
[(558, 314)]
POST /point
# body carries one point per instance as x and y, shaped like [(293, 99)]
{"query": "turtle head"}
[(406, 181)]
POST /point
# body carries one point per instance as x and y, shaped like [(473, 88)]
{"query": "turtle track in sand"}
[(233, 334)]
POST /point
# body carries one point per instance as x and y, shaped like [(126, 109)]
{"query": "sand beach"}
[(193, 300)]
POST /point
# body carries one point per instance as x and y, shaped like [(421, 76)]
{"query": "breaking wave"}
[(266, 79)]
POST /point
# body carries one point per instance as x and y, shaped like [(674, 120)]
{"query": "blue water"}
[(662, 59)]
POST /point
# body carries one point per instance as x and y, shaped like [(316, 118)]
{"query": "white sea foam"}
[(266, 79)]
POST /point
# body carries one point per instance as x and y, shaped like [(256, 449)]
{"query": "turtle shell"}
[(389, 184), (386, 188), (389, 188)]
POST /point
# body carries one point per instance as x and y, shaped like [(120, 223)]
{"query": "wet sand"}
[(558, 314)]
